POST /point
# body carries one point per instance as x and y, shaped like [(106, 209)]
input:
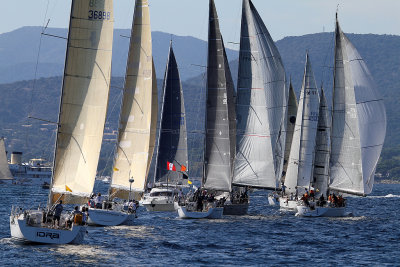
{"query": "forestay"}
[(358, 121), (172, 140), (260, 105), (301, 159), (84, 100), (217, 157), (135, 135)]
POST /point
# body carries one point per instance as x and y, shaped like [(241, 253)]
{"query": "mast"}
[(301, 159), (358, 121), (217, 165), (136, 134), (172, 138), (260, 105), (83, 103)]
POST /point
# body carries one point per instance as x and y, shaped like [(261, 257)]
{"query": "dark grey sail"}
[(172, 138), (322, 147), (217, 158)]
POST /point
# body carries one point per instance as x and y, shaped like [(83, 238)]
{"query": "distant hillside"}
[(19, 50), (379, 51)]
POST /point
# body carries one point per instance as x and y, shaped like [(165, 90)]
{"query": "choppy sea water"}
[(264, 237)]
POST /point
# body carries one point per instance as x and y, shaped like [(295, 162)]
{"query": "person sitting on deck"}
[(334, 200), (57, 213), (305, 200), (321, 202), (98, 201), (312, 194), (84, 215)]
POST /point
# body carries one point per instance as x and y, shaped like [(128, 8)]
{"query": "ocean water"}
[(265, 236)]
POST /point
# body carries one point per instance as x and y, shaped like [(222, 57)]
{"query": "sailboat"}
[(217, 167), (260, 106), (172, 155), (273, 198), (137, 125), (5, 173), (358, 128), (82, 114), (301, 159)]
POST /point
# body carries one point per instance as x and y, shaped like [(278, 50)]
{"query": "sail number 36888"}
[(99, 15)]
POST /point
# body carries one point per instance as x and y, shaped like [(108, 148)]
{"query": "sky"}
[(189, 17)]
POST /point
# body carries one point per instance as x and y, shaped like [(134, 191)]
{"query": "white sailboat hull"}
[(159, 204), (212, 213), (305, 211), (103, 217), (21, 231), (288, 205)]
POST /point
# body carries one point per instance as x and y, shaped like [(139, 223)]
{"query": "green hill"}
[(36, 138)]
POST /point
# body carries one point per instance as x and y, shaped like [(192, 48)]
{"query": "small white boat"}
[(326, 211), (211, 213), (110, 217), (287, 204), (160, 199), (27, 226)]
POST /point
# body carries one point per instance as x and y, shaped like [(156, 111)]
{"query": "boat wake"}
[(387, 196)]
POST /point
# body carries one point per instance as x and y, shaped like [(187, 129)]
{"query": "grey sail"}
[(217, 158), (301, 158), (172, 140), (358, 121), (260, 105), (5, 173), (290, 123), (322, 147)]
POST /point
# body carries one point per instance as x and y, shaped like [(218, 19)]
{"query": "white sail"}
[(260, 105), (322, 148), (84, 100), (135, 135), (301, 159), (5, 173), (290, 123), (358, 121)]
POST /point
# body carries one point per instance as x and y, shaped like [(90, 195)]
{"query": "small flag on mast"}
[(183, 168), (171, 166), (190, 182), (68, 189)]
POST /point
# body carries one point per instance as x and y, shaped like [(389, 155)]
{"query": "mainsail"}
[(322, 147), (172, 140), (290, 123), (301, 159), (358, 121), (260, 105), (5, 173), (84, 99), (136, 124), (217, 158)]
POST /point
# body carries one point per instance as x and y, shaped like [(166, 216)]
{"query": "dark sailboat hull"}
[(236, 209)]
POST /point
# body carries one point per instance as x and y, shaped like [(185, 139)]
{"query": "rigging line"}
[(36, 71), (56, 36), (52, 122)]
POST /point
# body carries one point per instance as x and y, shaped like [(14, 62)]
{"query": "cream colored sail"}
[(5, 173), (133, 150), (84, 100)]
